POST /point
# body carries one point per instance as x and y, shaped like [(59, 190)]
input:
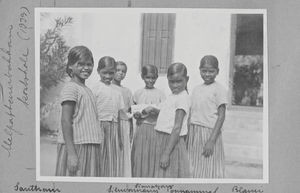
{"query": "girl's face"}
[(150, 79), (107, 74), (177, 82), (82, 69), (208, 73), (120, 73)]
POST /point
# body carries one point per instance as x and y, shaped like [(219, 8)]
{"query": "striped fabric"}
[(127, 95), (111, 155), (85, 124), (125, 154), (143, 147), (108, 102), (143, 151), (179, 163), (125, 130), (89, 160), (200, 166)]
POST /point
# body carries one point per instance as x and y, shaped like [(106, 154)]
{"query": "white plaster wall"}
[(118, 34), (195, 36)]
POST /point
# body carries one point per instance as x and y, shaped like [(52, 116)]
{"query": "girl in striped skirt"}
[(109, 103), (125, 120), (171, 158), (205, 146), (79, 138), (143, 152)]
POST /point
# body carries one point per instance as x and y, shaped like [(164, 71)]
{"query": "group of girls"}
[(178, 136)]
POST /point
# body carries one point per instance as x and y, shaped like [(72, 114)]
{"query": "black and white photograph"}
[(151, 95)]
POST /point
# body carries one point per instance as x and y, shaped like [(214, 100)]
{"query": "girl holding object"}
[(143, 153)]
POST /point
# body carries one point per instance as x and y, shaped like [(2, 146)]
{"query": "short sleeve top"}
[(85, 125), (149, 96), (127, 95), (205, 102), (108, 101), (166, 118)]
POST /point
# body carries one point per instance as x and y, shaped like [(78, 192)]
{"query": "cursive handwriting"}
[(113, 189), (155, 188), (7, 143), (23, 24), (9, 129), (24, 83), (35, 188), (195, 191), (241, 189)]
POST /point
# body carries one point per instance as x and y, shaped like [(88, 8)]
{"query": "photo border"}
[(265, 129)]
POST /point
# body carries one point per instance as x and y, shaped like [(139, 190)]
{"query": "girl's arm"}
[(209, 146), (165, 158), (68, 108)]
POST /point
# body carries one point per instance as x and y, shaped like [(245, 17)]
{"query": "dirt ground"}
[(234, 169)]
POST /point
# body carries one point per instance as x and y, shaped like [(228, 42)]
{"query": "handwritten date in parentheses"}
[(23, 30)]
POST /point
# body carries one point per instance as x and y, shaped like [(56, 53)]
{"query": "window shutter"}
[(158, 40)]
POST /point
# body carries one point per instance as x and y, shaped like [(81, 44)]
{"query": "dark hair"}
[(106, 61), (149, 68), (177, 68), (211, 60), (121, 64), (75, 54)]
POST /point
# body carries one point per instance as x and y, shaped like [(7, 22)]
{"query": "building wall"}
[(243, 136), (196, 34)]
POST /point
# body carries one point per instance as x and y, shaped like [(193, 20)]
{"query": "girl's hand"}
[(73, 164), (208, 149), (137, 115), (164, 161)]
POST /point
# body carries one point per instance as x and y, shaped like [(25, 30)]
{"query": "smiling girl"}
[(205, 146), (80, 136)]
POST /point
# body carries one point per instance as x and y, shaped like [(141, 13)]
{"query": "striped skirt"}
[(125, 154), (143, 151), (111, 153), (200, 166), (89, 160), (179, 164)]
